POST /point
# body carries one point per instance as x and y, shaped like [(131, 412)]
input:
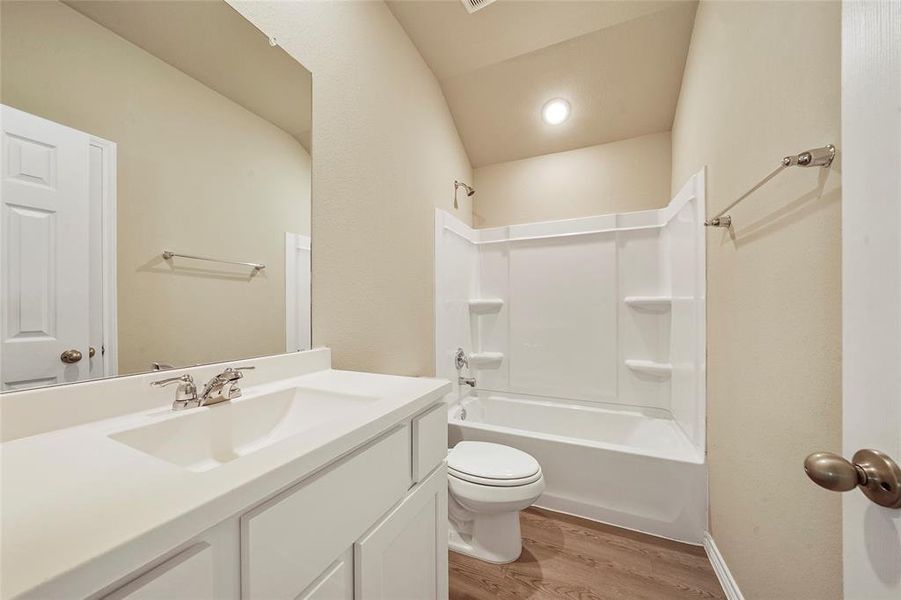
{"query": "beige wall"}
[(196, 173), (763, 80), (628, 175), (387, 154)]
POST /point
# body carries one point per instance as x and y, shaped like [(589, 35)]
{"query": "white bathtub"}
[(625, 467)]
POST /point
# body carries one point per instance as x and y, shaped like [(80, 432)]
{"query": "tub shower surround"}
[(587, 341)]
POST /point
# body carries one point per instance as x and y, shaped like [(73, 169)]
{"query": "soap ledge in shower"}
[(649, 367), (486, 360), (649, 303), (482, 306)]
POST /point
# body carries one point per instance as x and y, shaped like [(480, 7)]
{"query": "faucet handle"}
[(235, 372), (229, 378), (185, 394), (186, 378)]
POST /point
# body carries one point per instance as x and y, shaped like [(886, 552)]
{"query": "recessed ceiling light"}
[(555, 111)]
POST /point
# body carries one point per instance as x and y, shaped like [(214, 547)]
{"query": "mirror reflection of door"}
[(58, 292), (134, 128)]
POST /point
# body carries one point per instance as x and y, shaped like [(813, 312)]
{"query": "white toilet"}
[(488, 484)]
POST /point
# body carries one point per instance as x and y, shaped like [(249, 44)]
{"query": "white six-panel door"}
[(871, 274), (44, 278)]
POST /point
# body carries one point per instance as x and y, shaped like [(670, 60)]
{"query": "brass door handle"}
[(875, 473), (70, 357)]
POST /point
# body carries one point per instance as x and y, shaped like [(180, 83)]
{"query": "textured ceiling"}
[(618, 63), (215, 45)]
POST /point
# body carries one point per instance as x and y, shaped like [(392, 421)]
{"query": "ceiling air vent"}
[(473, 5)]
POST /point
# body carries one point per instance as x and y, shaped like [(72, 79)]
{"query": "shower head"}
[(469, 190)]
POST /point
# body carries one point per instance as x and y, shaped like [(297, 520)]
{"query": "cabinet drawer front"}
[(429, 441), (189, 574), (288, 541)]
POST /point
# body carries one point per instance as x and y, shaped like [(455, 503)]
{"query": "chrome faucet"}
[(223, 386), (460, 361), (220, 388)]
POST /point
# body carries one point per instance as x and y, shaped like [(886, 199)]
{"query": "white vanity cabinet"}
[(372, 524)]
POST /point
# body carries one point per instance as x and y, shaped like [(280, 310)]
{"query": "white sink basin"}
[(200, 439)]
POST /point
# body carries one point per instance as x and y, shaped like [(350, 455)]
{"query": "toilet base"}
[(494, 538)]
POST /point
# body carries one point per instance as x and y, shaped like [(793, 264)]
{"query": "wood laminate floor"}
[(568, 558)]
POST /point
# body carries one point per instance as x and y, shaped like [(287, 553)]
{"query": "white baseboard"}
[(722, 571)]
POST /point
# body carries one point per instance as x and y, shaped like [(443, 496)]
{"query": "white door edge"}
[(109, 299), (297, 304), (871, 285)]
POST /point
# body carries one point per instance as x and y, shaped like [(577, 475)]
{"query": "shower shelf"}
[(484, 306), (486, 360), (649, 303), (649, 367)]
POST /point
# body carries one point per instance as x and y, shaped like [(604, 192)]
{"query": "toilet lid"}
[(487, 461)]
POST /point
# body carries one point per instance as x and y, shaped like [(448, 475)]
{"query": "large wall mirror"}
[(155, 190)]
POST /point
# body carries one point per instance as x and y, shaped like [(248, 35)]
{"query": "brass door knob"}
[(874, 472), (70, 357)]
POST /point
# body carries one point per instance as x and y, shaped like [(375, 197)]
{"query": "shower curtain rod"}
[(818, 157)]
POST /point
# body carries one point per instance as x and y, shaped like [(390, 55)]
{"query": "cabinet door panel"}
[(287, 542), (404, 557), (337, 583)]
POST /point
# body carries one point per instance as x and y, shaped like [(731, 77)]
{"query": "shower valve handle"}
[(460, 360)]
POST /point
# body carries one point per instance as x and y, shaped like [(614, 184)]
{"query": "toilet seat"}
[(494, 465), (494, 482)]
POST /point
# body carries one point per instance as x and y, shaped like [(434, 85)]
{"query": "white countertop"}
[(74, 497)]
